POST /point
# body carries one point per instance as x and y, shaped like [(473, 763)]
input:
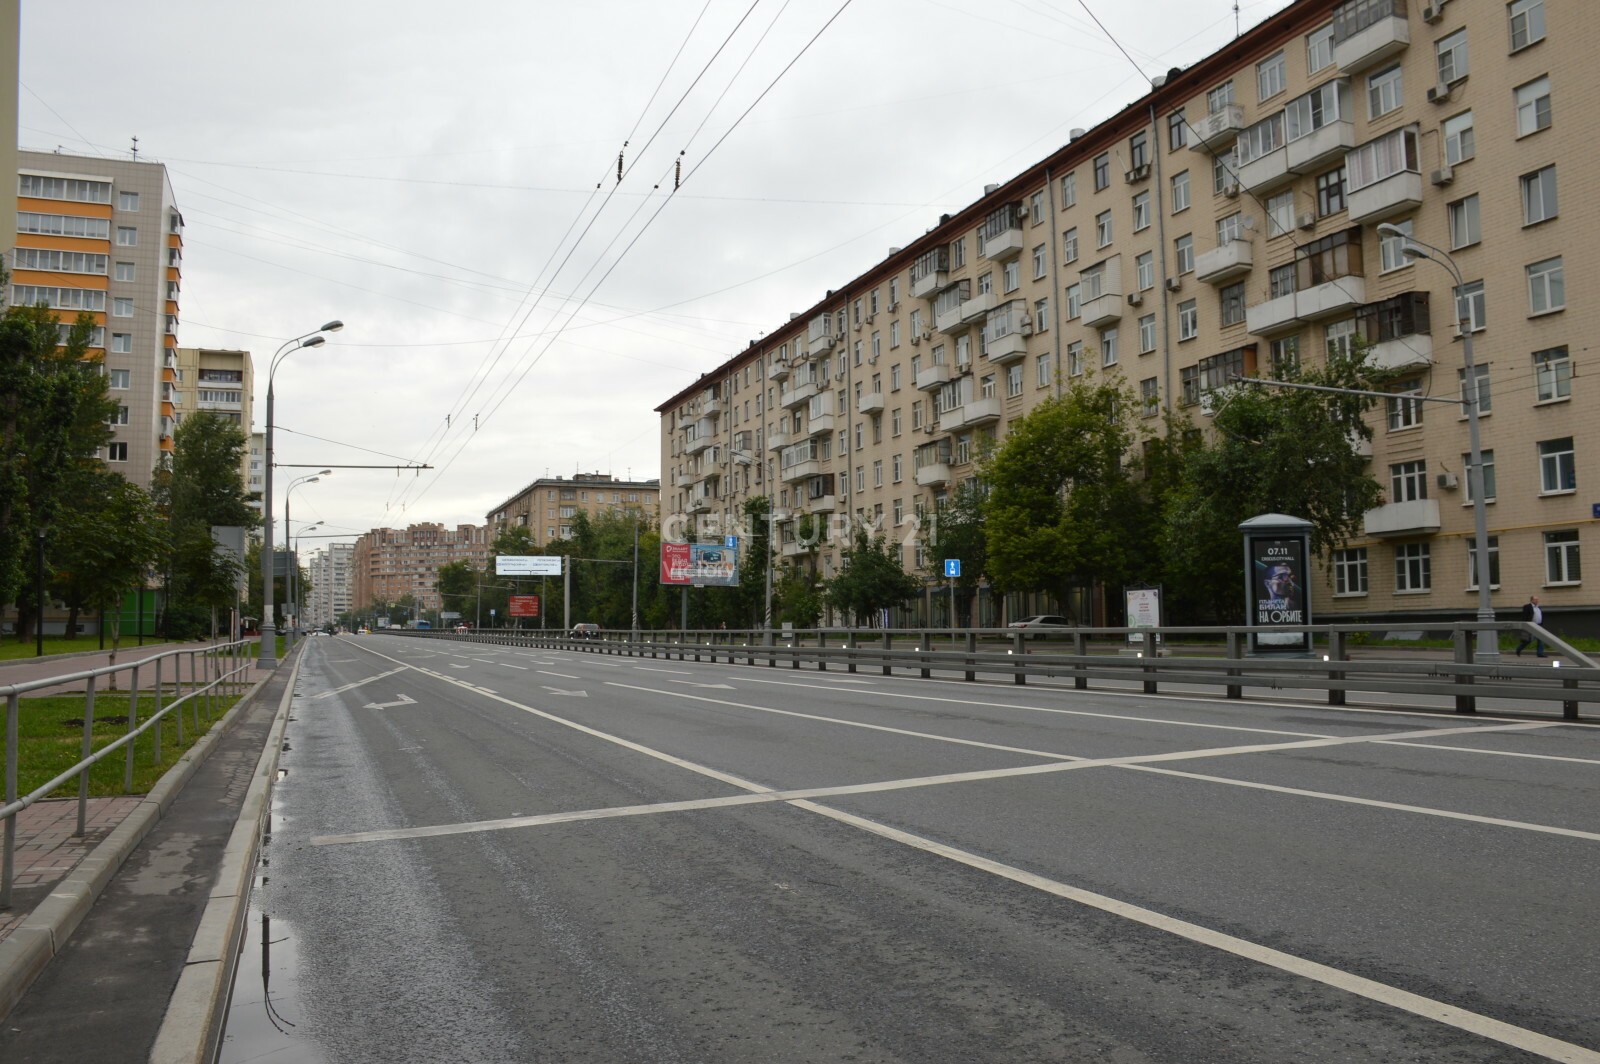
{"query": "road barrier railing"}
[(1207, 657), (215, 671)]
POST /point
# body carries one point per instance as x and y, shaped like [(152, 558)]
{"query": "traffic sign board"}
[(952, 567)]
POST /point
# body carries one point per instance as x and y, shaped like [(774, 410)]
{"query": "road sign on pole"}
[(952, 567)]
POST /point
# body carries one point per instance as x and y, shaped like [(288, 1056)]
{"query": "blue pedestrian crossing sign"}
[(952, 567)]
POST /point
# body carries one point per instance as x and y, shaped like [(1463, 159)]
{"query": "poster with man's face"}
[(1278, 575)]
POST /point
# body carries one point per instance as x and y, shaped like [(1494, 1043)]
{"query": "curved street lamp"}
[(268, 655), (293, 562), (295, 591), (1488, 650)]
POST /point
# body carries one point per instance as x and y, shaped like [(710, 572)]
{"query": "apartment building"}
[(255, 468), (1226, 224), (390, 563), (104, 236), (547, 506), (332, 569), (221, 382)]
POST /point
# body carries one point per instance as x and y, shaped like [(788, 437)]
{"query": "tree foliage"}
[(870, 578), (199, 486), (956, 530), (110, 539)]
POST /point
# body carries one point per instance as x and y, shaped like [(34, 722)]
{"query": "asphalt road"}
[(492, 854)]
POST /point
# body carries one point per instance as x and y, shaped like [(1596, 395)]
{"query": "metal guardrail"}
[(1066, 652), (222, 675)]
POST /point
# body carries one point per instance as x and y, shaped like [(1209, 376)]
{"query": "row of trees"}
[(101, 535)]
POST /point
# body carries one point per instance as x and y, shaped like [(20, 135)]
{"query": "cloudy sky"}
[(443, 178)]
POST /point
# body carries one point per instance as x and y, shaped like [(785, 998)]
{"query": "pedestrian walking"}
[(1532, 612)]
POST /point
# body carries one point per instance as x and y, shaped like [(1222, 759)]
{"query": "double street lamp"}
[(1488, 651), (268, 656), (294, 590), (292, 565)]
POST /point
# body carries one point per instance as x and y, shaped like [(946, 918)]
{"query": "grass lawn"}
[(50, 740)]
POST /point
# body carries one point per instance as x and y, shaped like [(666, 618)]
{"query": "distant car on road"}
[(586, 630), (1043, 620)]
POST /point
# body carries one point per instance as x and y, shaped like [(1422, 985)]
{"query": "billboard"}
[(699, 564), (524, 606), (1278, 588), (527, 565)]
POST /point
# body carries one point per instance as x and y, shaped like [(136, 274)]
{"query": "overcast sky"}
[(428, 173)]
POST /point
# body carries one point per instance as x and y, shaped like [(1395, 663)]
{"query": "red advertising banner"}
[(675, 563), (524, 606)]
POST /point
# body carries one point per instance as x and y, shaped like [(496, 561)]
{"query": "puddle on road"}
[(264, 1011)]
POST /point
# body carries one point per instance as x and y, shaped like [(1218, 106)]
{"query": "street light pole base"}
[(268, 657)]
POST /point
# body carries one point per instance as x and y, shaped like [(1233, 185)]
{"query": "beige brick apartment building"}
[(1224, 223), (547, 506), (390, 563)]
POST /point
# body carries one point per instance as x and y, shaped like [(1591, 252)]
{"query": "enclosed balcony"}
[(1319, 127), (820, 345), (1397, 331), (935, 376), (683, 480), (1006, 332), (1366, 32), (779, 371), (820, 425), (1263, 163), (947, 307), (1225, 262), (1384, 177), (870, 403), (711, 406), (1414, 518), (929, 272), (933, 474), (801, 470), (972, 412), (1216, 132), (802, 392), (1102, 309), (695, 446), (1000, 237), (978, 307)]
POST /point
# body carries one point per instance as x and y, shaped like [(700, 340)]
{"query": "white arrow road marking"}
[(358, 683), (404, 701), (718, 686), (559, 691)]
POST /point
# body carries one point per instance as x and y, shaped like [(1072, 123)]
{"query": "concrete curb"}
[(43, 932), (195, 1013)]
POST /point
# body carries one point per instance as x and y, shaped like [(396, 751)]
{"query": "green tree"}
[(956, 531), (1275, 450), (870, 578), (199, 486), (457, 584), (109, 540), (1067, 507), (797, 598), (54, 417), (754, 563)]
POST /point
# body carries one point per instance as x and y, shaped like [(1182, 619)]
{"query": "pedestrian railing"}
[(1214, 657), (215, 671)]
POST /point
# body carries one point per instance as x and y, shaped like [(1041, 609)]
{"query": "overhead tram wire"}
[(623, 255)]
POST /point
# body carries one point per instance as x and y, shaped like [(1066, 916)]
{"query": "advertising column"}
[(1277, 552)]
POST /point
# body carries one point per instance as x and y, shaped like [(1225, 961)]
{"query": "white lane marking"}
[(696, 683), (508, 665), (1427, 1008), (680, 672), (405, 700), (1499, 753), (563, 675), (358, 683), (453, 665), (559, 691)]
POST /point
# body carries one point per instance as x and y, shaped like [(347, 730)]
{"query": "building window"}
[(1230, 228), (1011, 275), (1391, 247), (1102, 228), (896, 469), (1188, 320), (1074, 301), (1472, 562), (1458, 140), (1280, 213), (1547, 291), (1319, 56), (1471, 307), (1069, 191), (1219, 97), (894, 422), (1552, 375), (1108, 347), (1149, 397), (121, 344), (1102, 171), (1533, 107), (1384, 92), (120, 379), (1232, 297), (1285, 355), (1452, 56), (127, 201), (1141, 211), (1069, 245), (1482, 392), (1184, 247), (1339, 337), (1464, 230), (1558, 470), (1539, 196), (1412, 568), (120, 417), (1177, 130), (116, 452), (1225, 171), (1561, 562), (1488, 475), (877, 473), (1043, 375), (1350, 571), (1408, 481), (1180, 192), (1035, 211), (1041, 315), (122, 308), (124, 271), (1075, 359), (1270, 76), (1147, 334), (958, 252), (1145, 270), (1039, 263), (127, 236), (1138, 150), (1527, 22), (894, 377), (1405, 412), (1330, 192), (1014, 380)]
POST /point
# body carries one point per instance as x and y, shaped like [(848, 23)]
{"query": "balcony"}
[(1266, 172), (1007, 348), (929, 273), (1321, 147), (800, 393), (1368, 35), (777, 441), (1395, 194), (933, 474), (1337, 295), (1215, 133), (823, 504), (977, 307), (820, 345), (796, 549), (711, 407), (972, 412), (1000, 237), (695, 446), (935, 376), (1225, 262), (1103, 309), (1274, 316), (1404, 352), (683, 480), (1415, 518), (870, 403), (820, 425), (698, 506), (779, 371), (799, 471)]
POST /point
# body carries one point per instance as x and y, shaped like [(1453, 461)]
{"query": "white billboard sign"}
[(527, 565)]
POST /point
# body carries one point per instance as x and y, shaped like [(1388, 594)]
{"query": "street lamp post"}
[(1488, 651), (293, 563), (268, 656), (295, 592)]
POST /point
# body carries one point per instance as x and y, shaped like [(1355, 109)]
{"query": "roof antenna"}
[(1235, 18), (136, 148)]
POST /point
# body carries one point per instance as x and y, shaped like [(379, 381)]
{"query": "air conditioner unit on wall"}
[(1447, 481), (1231, 189), (1135, 298), (916, 339), (1443, 176), (1308, 220), (1174, 283), (1440, 93), (1433, 12)]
